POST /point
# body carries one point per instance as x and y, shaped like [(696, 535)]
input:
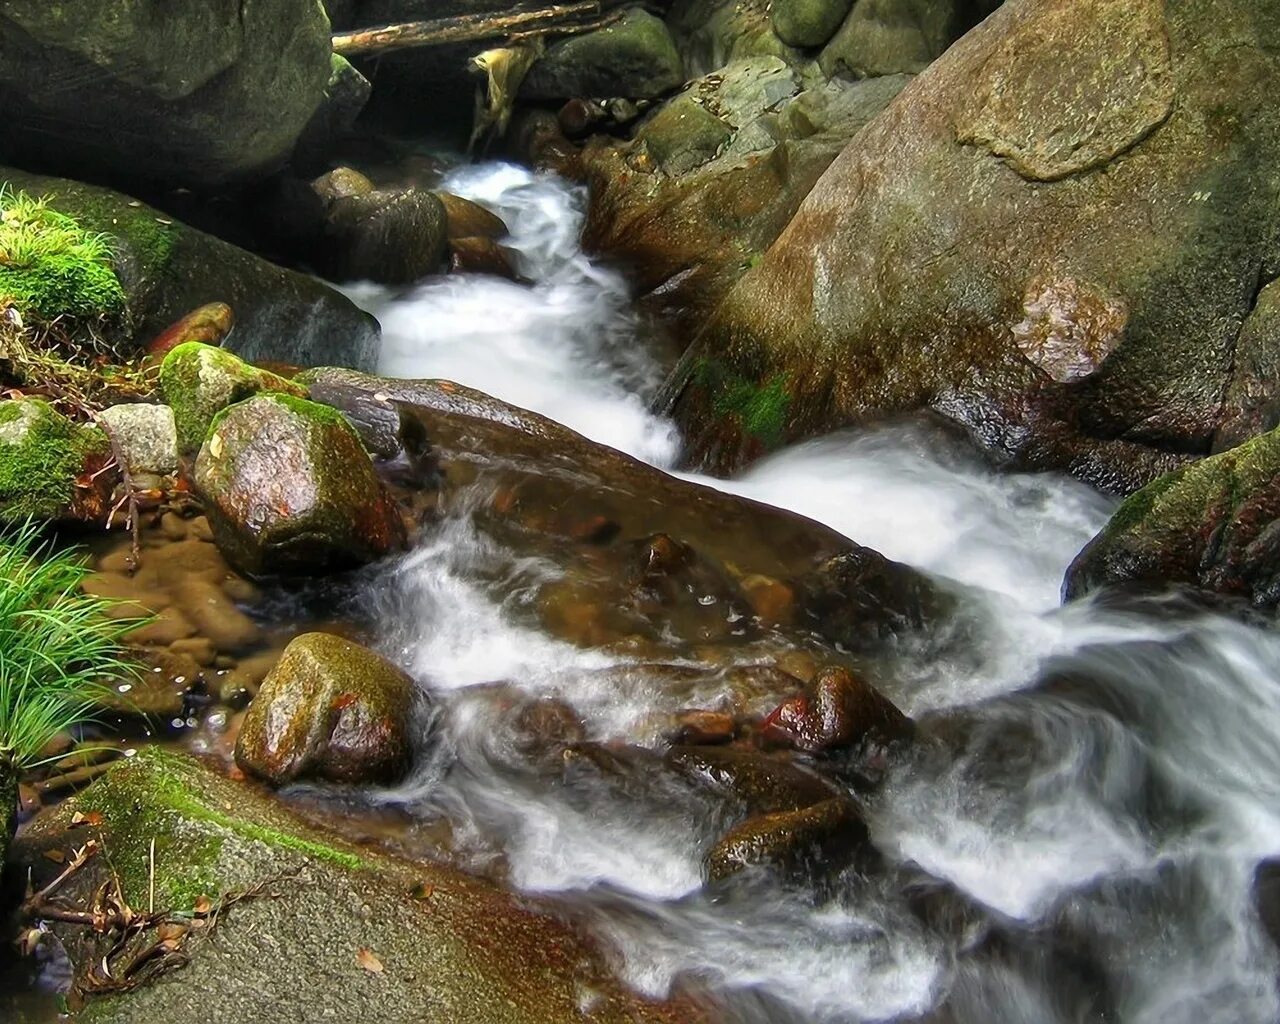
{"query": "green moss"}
[(1135, 508), (200, 381), (760, 409), (41, 459), (51, 267)]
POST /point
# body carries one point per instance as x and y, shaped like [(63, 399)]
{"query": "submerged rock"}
[(635, 57), (801, 844), (376, 937), (332, 710), (289, 489), (199, 381), (196, 95), (49, 466), (168, 269), (1214, 524), (1052, 241)]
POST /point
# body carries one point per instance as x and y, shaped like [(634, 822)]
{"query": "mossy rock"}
[(1214, 524), (330, 709), (290, 489), (453, 949), (808, 23), (167, 269), (885, 37), (635, 57), (43, 458), (199, 381)]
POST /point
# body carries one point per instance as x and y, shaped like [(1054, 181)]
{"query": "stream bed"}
[(1076, 841)]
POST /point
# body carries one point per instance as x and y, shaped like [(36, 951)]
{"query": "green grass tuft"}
[(50, 267), (58, 647)]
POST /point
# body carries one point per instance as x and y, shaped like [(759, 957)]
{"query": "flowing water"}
[(1075, 840)]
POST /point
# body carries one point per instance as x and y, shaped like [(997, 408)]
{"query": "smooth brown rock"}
[(332, 710), (837, 711)]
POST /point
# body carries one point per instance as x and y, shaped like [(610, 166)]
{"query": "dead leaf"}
[(368, 961), (86, 818), (57, 856), (203, 905), (28, 941), (423, 891), (215, 445)]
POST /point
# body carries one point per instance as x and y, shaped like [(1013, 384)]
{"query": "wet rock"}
[(1266, 897), (49, 466), (809, 22), (837, 711), (147, 436), (889, 37), (451, 947), (231, 108), (702, 728), (341, 183), (332, 710), (470, 220), (759, 783), (388, 236), (1048, 314), (634, 57), (199, 381), (1251, 405), (690, 205), (860, 600), (168, 269), (801, 844), (289, 489), (481, 256), (208, 325), (1214, 524), (674, 586)]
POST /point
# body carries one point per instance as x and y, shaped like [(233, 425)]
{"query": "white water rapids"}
[(1102, 785)]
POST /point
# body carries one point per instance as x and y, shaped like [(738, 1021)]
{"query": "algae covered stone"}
[(147, 436), (330, 709), (1214, 524), (199, 381), (289, 489), (454, 949), (44, 459)]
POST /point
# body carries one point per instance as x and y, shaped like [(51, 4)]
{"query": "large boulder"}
[(375, 937), (809, 22), (289, 489), (1053, 236), (393, 236), (1214, 524), (713, 33), (635, 57), (714, 176), (196, 94), (168, 269), (330, 709)]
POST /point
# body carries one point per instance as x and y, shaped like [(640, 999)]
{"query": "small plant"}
[(58, 646)]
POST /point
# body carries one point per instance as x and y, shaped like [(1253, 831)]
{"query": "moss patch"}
[(51, 267), (760, 408), (41, 455)]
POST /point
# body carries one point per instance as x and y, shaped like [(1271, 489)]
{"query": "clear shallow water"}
[(1094, 791)]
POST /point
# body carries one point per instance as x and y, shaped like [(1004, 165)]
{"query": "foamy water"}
[(1101, 780)]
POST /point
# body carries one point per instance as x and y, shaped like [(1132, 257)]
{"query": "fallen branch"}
[(130, 496), (470, 28)]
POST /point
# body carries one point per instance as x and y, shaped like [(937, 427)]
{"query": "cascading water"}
[(1097, 788)]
